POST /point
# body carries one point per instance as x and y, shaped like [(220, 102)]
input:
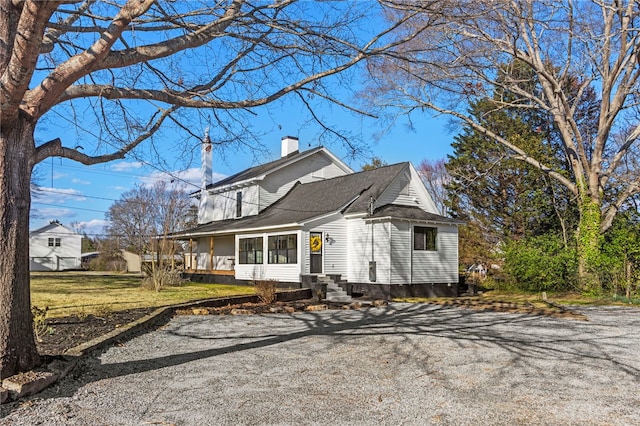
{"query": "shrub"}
[(162, 277), (266, 290), (541, 263), (107, 263), (40, 326)]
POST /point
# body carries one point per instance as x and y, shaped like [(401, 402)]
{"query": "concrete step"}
[(345, 298), (335, 293)]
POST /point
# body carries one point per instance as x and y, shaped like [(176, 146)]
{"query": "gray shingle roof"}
[(349, 194), (261, 169), (411, 213)]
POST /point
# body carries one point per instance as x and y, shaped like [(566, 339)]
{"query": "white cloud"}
[(54, 213), (120, 188), (80, 181), (56, 195), (125, 166), (92, 227)]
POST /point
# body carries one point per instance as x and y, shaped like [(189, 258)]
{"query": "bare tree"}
[(143, 218), (435, 176), (125, 70), (573, 49)]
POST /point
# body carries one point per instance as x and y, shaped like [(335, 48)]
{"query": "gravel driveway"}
[(397, 364)]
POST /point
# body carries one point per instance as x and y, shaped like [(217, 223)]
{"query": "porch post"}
[(211, 253), (191, 254)]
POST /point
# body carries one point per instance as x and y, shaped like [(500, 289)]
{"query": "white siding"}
[(46, 258), (201, 247), (392, 195), (311, 169), (266, 271), (360, 252), (334, 251), (396, 261), (401, 240), (214, 207), (439, 266), (408, 190), (358, 235)]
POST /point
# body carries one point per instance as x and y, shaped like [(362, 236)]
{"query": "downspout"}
[(390, 253), (373, 259)]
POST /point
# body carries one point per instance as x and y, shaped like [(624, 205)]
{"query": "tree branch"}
[(54, 147), (43, 97), (14, 81)]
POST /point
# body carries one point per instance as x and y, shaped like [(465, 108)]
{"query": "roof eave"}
[(189, 235), (405, 219)]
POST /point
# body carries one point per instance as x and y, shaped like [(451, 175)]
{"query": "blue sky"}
[(76, 194)]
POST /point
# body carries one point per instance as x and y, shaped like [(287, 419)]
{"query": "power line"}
[(115, 147), (79, 195), (68, 207)]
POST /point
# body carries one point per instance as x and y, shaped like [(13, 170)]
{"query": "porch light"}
[(327, 238)]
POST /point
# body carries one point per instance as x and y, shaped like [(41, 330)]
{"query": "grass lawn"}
[(564, 298), (84, 293)]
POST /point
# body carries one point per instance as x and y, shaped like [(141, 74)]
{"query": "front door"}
[(315, 245)]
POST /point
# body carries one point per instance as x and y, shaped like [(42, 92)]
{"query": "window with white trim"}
[(424, 238), (239, 204), (283, 248), (250, 251), (53, 242)]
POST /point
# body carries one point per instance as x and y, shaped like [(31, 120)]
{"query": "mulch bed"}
[(67, 332)]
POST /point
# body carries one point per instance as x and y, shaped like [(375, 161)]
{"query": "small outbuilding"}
[(54, 247)]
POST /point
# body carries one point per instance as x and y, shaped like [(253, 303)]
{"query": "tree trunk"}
[(17, 344), (588, 236)]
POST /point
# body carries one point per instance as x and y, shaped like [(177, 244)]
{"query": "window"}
[(238, 204), (424, 238), (53, 242), (283, 249), (250, 251)]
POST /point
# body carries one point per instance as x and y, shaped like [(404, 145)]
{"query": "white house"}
[(54, 247), (307, 214)]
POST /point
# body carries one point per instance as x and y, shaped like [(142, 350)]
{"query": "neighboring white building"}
[(54, 247), (307, 214)]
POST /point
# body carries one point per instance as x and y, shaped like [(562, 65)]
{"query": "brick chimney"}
[(289, 146)]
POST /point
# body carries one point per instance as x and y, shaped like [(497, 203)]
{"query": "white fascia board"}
[(239, 231), (355, 215), (338, 161), (422, 189), (236, 185), (400, 219), (269, 228), (307, 154), (319, 218)]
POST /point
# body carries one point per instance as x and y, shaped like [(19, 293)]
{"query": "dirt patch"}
[(263, 308), (538, 308), (67, 332)]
